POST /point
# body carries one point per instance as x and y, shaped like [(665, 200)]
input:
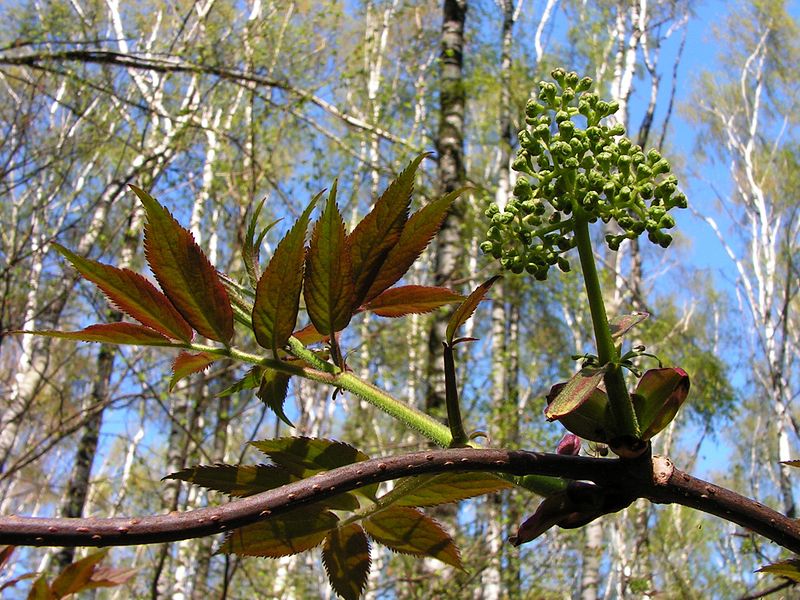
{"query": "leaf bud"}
[(624, 193), (665, 240), (567, 96), (624, 145), (542, 132), (646, 190), (486, 247), (680, 200), (571, 163), (563, 264), (520, 164), (492, 210)]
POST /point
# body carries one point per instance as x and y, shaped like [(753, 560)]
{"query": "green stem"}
[(618, 396), (451, 398)]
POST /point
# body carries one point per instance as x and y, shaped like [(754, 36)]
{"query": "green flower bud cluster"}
[(566, 169)]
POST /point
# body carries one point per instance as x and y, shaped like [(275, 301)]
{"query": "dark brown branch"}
[(173, 64), (656, 481)]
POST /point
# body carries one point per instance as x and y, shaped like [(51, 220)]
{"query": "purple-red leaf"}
[(278, 290), (112, 333), (466, 308), (187, 363), (622, 324), (134, 295), (570, 445), (658, 397), (415, 237), (345, 555), (309, 335), (186, 276), (328, 287), (284, 535), (379, 231), (574, 393), (410, 531), (591, 420), (411, 299)]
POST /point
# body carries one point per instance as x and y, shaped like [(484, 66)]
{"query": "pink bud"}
[(569, 444)]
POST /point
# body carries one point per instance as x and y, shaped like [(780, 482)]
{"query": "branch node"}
[(662, 470)]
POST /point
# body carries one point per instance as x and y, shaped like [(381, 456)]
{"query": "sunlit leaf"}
[(785, 568), (5, 554), (186, 276), (415, 237), (328, 288), (658, 397), (303, 456), (76, 577), (246, 480), (591, 420), (251, 380), (282, 535), (278, 290), (411, 299), (112, 333), (379, 231), (133, 295), (235, 480), (467, 307), (452, 487), (574, 393), (410, 531), (622, 324), (187, 363), (345, 555), (272, 392)]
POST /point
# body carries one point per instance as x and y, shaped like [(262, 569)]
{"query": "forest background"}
[(214, 105)]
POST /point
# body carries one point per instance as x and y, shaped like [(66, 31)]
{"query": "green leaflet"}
[(410, 531), (278, 291), (282, 535)]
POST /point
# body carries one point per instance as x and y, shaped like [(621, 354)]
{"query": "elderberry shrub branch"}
[(572, 163)]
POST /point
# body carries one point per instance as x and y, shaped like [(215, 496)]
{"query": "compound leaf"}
[(272, 392)]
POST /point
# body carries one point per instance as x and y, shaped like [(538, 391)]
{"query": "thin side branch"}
[(636, 477)]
